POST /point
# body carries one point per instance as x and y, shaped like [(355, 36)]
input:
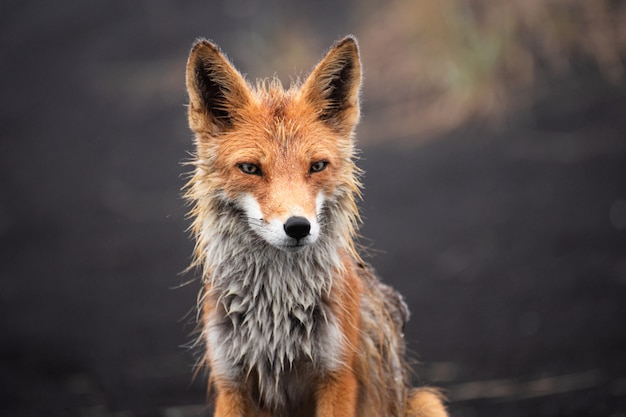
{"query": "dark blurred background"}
[(494, 141)]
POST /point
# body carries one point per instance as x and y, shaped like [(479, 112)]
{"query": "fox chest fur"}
[(270, 322)]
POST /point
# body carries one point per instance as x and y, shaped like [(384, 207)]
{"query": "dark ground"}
[(509, 246)]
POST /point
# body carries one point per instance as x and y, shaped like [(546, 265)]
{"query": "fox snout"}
[(291, 231)]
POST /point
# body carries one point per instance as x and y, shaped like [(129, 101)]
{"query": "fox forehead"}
[(272, 131)]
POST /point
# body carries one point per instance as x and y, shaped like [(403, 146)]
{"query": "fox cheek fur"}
[(294, 322)]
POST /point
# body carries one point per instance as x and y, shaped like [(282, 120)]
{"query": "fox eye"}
[(319, 166), (249, 169)]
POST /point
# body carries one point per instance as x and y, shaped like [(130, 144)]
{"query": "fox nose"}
[(297, 227)]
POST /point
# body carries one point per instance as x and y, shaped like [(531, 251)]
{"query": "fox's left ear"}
[(333, 86)]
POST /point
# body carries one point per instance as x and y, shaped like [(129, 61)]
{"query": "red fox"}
[(293, 321)]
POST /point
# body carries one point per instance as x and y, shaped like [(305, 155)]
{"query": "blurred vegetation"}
[(434, 64)]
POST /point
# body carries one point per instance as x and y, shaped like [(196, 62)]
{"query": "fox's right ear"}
[(216, 89)]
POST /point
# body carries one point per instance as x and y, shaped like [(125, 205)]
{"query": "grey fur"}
[(273, 318)]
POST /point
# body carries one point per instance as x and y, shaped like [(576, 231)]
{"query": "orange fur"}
[(266, 158)]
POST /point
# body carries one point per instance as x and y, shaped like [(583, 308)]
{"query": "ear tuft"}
[(216, 89), (333, 86)]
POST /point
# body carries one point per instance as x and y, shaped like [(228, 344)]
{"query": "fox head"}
[(281, 158)]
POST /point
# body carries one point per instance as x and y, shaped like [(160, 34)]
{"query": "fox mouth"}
[(295, 247), (291, 245)]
